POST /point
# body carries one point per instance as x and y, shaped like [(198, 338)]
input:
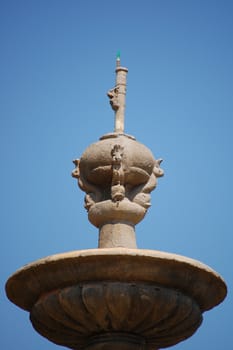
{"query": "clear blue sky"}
[(57, 62)]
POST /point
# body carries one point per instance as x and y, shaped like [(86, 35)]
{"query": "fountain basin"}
[(103, 298)]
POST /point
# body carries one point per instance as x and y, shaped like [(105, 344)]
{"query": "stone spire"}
[(117, 96)]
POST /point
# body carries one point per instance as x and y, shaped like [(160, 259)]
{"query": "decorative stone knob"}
[(117, 173)]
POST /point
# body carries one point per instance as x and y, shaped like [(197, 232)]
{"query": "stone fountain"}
[(116, 296)]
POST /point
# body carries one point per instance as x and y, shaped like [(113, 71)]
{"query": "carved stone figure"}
[(141, 194), (117, 189), (113, 96), (93, 193)]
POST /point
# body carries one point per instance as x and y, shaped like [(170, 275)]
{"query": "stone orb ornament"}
[(117, 173)]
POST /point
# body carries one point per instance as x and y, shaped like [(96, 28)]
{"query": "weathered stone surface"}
[(117, 173), (120, 265), (117, 96), (117, 159), (156, 296), (158, 315)]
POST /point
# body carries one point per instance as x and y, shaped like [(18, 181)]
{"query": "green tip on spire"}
[(118, 56)]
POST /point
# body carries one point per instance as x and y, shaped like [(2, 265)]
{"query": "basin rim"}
[(190, 276)]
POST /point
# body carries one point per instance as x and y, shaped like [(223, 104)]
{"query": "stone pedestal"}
[(117, 235)]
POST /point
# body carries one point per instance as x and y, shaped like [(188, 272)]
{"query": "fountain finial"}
[(118, 59), (117, 96), (118, 174)]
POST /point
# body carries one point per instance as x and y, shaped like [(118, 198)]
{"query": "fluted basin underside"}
[(161, 316), (83, 299)]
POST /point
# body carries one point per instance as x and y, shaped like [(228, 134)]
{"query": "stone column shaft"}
[(121, 74), (117, 235)]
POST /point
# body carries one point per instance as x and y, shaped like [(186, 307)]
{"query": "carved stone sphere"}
[(136, 159)]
